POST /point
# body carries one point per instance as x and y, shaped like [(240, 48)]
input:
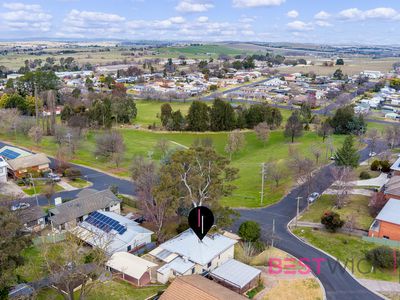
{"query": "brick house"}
[(387, 223), (391, 189), (22, 166)]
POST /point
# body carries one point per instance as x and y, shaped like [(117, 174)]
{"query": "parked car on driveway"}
[(313, 197), (53, 177), (21, 205), (372, 154)]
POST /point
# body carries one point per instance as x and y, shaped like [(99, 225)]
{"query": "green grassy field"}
[(202, 51), (357, 205), (347, 249)]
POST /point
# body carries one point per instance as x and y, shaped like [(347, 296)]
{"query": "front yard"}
[(40, 187), (349, 250), (357, 207)]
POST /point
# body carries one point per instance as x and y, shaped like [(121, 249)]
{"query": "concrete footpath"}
[(381, 286)]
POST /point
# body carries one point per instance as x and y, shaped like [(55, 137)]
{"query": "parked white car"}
[(313, 197), (21, 205)]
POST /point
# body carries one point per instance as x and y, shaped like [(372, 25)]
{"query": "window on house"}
[(209, 264), (386, 237), (107, 209), (129, 248), (193, 271)]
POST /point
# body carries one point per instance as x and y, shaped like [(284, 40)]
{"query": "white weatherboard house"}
[(3, 170), (112, 232), (185, 254)]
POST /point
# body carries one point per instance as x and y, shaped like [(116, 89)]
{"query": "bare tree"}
[(392, 135), (303, 171), (36, 134), (373, 136), (324, 130), (110, 145), (275, 172), (350, 223), (262, 132), (65, 264), (162, 146), (155, 203), (316, 151), (236, 142), (343, 184)]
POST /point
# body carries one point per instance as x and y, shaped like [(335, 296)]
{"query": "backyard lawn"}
[(110, 290), (356, 206), (347, 248), (79, 183)]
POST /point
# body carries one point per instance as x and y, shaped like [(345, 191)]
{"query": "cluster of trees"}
[(221, 116), (100, 111), (50, 64), (183, 179), (345, 121)]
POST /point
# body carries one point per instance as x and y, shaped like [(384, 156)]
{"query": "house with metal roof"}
[(185, 254), (236, 276), (112, 232), (387, 223), (3, 170), (68, 214), (198, 287), (396, 167), (23, 165), (33, 218), (131, 268)]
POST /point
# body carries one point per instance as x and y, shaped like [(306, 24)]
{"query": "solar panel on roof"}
[(9, 154), (105, 223)]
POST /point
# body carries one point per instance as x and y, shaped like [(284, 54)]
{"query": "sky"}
[(308, 21)]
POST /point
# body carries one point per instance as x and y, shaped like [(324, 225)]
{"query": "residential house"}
[(112, 232), (387, 223), (391, 189), (236, 276), (32, 218), (9, 152), (67, 215), (396, 167), (3, 170), (22, 166), (185, 254), (131, 268), (198, 287)]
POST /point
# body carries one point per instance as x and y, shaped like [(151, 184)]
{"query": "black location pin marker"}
[(201, 219)]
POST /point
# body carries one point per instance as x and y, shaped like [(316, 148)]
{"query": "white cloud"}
[(292, 14), (248, 32), (257, 3), (300, 26), (92, 23), (354, 14), (245, 19), (192, 6), (177, 20), (202, 19), (322, 15), (321, 23), (25, 17)]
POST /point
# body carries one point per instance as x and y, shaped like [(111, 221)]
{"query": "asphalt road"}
[(338, 284)]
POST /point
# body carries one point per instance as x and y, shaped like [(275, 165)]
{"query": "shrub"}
[(383, 257), (332, 221), (385, 166), (72, 173), (249, 231), (375, 165), (365, 175)]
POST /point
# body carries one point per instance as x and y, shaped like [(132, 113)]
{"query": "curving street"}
[(338, 284)]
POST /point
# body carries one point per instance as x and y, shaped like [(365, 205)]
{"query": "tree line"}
[(220, 116)]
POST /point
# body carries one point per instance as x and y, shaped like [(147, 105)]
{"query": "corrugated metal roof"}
[(390, 212), (235, 272), (129, 264)]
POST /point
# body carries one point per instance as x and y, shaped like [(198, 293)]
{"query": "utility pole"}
[(273, 232), (36, 106), (262, 182), (34, 189), (298, 209)]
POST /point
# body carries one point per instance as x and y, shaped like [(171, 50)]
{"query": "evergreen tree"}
[(198, 118), (177, 121), (347, 155), (222, 116), (166, 114)]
